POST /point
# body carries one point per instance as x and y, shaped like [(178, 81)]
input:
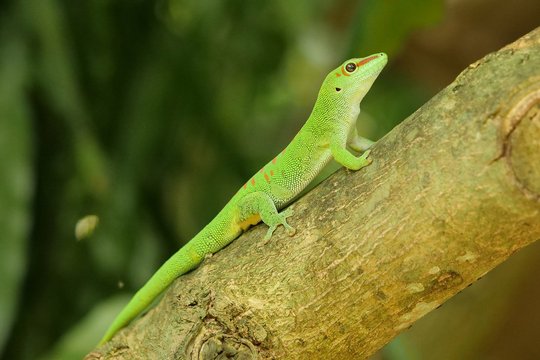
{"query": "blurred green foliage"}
[(151, 114), (16, 173)]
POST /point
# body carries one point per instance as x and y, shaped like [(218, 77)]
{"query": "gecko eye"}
[(338, 89), (350, 67)]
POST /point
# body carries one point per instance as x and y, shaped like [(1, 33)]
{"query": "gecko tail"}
[(184, 260), (218, 233)]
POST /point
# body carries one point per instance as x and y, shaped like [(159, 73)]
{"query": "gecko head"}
[(353, 79)]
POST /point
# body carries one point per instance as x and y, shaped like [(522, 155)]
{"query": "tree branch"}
[(452, 192)]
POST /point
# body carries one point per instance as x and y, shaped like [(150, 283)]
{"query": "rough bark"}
[(453, 191)]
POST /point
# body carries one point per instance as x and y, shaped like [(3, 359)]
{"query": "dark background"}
[(151, 114)]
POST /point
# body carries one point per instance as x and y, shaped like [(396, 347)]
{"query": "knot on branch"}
[(521, 139), (228, 331), (223, 346)]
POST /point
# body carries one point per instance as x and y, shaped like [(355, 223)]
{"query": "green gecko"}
[(330, 128)]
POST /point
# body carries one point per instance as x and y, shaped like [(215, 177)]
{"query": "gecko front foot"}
[(365, 155)]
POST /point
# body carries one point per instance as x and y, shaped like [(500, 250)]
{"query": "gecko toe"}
[(291, 231)]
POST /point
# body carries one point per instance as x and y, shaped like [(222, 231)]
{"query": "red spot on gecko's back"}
[(253, 181), (271, 172), (266, 177), (366, 60)]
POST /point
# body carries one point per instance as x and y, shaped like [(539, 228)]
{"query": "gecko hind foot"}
[(281, 219)]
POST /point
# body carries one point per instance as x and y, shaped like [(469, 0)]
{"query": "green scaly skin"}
[(330, 128)]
